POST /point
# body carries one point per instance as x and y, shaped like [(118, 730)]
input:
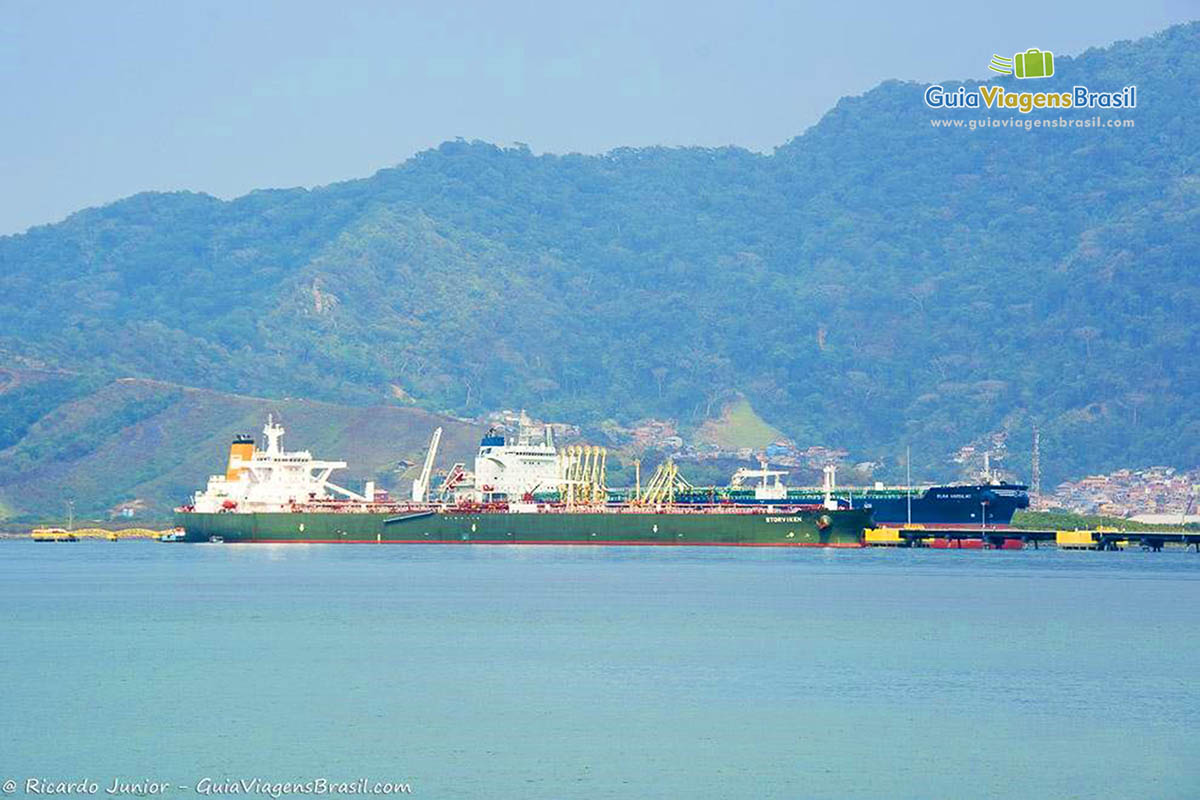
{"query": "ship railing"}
[(684, 508), (350, 507)]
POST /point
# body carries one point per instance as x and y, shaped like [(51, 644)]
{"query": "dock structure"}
[(78, 534), (1016, 538), (53, 535), (118, 533)]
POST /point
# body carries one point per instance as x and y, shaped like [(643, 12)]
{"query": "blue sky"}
[(103, 100)]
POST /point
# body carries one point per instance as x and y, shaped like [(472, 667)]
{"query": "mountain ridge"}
[(873, 283)]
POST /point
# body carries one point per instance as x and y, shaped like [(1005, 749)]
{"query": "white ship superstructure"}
[(507, 470), (770, 484), (271, 479)]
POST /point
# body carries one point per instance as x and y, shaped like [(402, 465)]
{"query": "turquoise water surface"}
[(551, 672)]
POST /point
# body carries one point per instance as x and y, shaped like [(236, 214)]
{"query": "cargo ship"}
[(988, 503), (521, 491)]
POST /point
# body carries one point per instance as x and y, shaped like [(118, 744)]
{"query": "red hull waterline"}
[(589, 543), (974, 544)]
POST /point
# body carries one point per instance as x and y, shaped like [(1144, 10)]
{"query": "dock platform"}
[(1017, 538)]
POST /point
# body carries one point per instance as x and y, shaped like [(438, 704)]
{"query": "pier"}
[(1017, 538), (78, 534)]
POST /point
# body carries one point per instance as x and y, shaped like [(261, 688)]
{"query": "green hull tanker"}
[(272, 495), (757, 527)]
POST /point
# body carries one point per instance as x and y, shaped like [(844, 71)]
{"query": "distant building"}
[(780, 448), (1131, 493), (127, 510)]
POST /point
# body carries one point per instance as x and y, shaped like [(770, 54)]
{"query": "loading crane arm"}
[(420, 488)]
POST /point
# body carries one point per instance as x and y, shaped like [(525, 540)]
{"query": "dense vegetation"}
[(152, 444), (872, 283), (1059, 520)]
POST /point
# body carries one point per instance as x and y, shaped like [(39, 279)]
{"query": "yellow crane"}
[(585, 475), (663, 484)]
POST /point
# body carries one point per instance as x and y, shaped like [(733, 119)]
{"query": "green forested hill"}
[(873, 282), (155, 442)]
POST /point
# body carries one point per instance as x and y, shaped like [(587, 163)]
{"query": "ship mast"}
[(1037, 468), (830, 486), (908, 481)]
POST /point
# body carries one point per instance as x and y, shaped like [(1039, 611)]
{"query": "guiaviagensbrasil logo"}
[(1033, 63)]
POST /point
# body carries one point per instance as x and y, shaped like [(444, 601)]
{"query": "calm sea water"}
[(545, 672)]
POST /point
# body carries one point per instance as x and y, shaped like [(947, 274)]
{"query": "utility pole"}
[(908, 480), (1037, 467)]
